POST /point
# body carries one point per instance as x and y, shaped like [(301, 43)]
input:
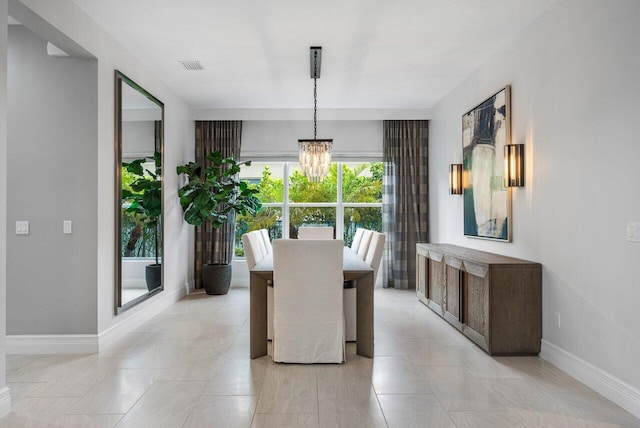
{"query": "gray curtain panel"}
[(405, 198), (215, 245)]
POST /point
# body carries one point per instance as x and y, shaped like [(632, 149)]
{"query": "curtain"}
[(405, 198), (215, 245)]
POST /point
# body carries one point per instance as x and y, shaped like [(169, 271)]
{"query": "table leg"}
[(258, 315), (364, 315)]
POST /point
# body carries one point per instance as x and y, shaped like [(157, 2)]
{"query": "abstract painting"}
[(487, 201)]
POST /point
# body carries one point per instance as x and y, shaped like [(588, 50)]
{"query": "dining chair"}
[(314, 232), (267, 240), (308, 313), (357, 238), (364, 243), (373, 259), (254, 251), (374, 254)]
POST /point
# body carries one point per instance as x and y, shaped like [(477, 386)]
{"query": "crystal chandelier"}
[(315, 155)]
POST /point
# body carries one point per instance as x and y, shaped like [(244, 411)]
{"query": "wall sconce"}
[(455, 179), (514, 165)]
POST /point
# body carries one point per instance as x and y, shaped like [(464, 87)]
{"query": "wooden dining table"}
[(355, 270)]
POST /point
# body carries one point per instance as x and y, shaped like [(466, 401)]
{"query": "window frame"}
[(339, 206)]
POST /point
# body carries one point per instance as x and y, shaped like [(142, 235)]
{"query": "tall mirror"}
[(139, 126)]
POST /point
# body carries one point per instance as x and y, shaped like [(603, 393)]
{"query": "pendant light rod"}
[(315, 61), (315, 155)]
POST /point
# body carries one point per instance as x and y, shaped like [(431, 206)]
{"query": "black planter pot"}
[(153, 276), (216, 278)]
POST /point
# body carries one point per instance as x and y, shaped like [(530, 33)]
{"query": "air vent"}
[(192, 65)]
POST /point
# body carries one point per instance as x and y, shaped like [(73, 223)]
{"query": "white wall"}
[(52, 159), (133, 273), (179, 132), (576, 102), (5, 403), (138, 139)]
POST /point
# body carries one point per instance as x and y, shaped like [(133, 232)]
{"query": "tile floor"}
[(189, 367)]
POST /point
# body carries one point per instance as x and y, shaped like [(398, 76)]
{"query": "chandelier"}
[(315, 155)]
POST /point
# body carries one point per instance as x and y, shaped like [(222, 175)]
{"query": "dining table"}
[(357, 273)]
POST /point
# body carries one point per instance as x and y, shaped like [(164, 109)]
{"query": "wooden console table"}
[(494, 300)]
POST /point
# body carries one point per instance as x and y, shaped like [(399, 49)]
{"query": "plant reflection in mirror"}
[(142, 199)]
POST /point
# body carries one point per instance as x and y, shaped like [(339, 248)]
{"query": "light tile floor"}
[(189, 367)]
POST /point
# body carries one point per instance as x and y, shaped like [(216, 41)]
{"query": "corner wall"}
[(67, 18), (575, 105), (52, 159)]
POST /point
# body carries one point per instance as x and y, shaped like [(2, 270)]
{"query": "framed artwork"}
[(486, 129)]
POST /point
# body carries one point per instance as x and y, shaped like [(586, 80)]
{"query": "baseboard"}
[(52, 344), (91, 343), (616, 390), (5, 401), (160, 302)]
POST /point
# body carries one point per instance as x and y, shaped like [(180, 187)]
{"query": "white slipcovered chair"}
[(267, 240), (313, 232), (255, 250), (259, 238), (357, 238), (308, 313), (373, 259), (374, 254), (364, 243)]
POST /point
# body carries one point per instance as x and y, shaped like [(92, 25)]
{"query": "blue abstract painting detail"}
[(487, 202)]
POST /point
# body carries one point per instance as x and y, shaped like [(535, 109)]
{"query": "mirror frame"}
[(118, 81)]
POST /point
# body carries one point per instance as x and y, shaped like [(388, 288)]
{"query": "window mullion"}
[(285, 202), (340, 206)]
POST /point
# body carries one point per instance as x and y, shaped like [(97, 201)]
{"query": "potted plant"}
[(145, 199), (214, 194)]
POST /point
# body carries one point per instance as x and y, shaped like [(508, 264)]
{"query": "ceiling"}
[(376, 53)]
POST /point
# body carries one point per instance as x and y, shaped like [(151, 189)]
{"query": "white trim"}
[(91, 343), (52, 344), (5, 401), (130, 323), (616, 390)]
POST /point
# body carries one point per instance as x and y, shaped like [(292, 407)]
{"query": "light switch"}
[(67, 227), (633, 231), (22, 227)]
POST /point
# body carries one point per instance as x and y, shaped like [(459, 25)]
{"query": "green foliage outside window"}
[(360, 184)]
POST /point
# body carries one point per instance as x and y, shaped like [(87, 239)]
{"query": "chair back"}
[(364, 243), (374, 254), (254, 248), (357, 238), (314, 232), (267, 240), (308, 319)]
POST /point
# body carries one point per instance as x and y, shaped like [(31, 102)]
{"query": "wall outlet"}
[(556, 319), (633, 231), (67, 227), (22, 227)]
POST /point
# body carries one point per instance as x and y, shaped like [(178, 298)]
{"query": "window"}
[(350, 196)]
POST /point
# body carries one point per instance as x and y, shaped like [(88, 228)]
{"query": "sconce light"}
[(455, 179), (514, 165)]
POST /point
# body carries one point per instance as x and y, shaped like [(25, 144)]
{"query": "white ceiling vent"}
[(191, 65)]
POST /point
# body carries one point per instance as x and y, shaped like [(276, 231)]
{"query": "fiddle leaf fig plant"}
[(214, 191), (145, 194)]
